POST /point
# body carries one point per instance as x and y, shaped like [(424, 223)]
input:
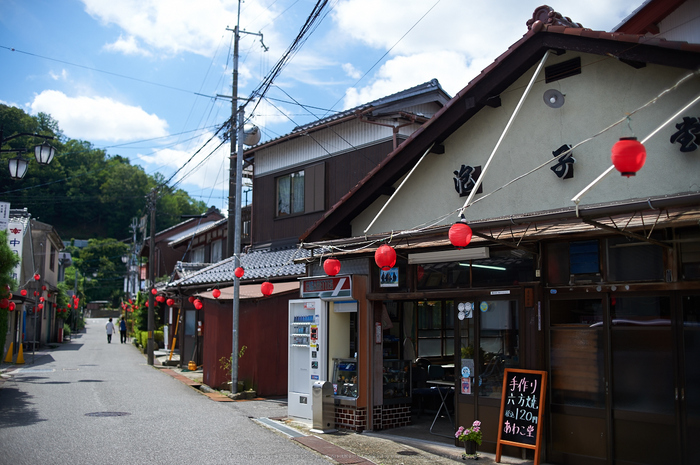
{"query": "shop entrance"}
[(624, 378), (489, 341)]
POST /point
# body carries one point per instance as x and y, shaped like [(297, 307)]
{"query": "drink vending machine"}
[(307, 353)]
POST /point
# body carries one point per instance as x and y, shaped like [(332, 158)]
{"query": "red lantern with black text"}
[(628, 156), (216, 293), (23, 292), (385, 257), (170, 302), (238, 272), (331, 266), (266, 288), (198, 304)]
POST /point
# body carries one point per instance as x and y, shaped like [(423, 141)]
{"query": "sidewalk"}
[(369, 447)]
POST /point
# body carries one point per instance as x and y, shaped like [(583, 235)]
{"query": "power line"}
[(11, 49)]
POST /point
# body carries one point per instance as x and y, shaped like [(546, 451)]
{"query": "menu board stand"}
[(522, 408)]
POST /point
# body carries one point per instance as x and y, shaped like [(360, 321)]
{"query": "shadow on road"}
[(16, 409)]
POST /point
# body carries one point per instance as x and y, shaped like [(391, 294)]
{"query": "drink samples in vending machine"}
[(307, 354)]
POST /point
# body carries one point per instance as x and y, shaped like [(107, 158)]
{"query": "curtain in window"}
[(298, 192), (284, 195)]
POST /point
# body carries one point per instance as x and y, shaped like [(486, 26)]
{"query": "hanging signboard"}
[(522, 408), (330, 288)]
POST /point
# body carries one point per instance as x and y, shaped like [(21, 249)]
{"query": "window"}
[(198, 255), (290, 194), (302, 191), (52, 259), (216, 251), (435, 328)]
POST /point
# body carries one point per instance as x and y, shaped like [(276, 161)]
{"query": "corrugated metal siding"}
[(677, 26)]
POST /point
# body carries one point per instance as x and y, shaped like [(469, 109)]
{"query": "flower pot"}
[(470, 447)]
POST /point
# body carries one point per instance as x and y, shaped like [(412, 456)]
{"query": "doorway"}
[(620, 365)]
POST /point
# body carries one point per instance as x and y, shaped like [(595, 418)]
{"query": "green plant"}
[(66, 329), (226, 362), (470, 434)]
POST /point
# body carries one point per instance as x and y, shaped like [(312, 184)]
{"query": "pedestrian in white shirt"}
[(110, 330)]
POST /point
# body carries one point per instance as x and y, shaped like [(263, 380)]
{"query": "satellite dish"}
[(553, 98), (251, 135)]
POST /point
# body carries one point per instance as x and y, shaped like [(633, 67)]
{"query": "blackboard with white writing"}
[(522, 405)]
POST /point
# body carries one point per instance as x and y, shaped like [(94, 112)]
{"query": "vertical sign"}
[(522, 408), (4, 216), (15, 239)]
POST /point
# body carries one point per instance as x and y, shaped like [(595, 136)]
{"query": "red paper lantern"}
[(628, 156), (75, 306), (385, 257), (238, 272), (41, 299), (160, 298), (170, 302), (146, 304), (331, 266), (37, 277), (216, 293), (4, 303), (266, 288), (198, 304), (11, 306), (23, 292), (191, 299), (41, 306), (460, 234), (43, 288), (154, 291)]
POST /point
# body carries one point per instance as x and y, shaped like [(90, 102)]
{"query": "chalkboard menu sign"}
[(522, 405)]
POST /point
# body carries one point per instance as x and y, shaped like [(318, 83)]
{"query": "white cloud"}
[(128, 46), (173, 26), (208, 169), (454, 41), (351, 71), (98, 118), (62, 76)]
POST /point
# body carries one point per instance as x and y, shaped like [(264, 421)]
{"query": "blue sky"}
[(138, 77)]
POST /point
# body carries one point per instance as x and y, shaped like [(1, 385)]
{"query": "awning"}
[(250, 291)]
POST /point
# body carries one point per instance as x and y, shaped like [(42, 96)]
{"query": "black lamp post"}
[(18, 165)]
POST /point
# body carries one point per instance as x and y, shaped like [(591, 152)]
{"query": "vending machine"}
[(307, 353)]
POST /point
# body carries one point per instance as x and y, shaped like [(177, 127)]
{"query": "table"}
[(443, 399)]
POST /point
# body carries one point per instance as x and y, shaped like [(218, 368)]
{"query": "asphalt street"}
[(89, 402)]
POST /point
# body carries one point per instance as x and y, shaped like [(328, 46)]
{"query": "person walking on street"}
[(110, 330), (122, 330)]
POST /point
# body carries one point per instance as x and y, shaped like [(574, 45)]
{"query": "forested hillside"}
[(83, 193)]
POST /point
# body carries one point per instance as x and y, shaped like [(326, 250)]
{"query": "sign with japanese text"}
[(522, 408), (15, 239), (4, 215), (332, 288)]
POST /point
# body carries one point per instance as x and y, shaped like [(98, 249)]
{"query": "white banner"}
[(15, 239), (4, 215)]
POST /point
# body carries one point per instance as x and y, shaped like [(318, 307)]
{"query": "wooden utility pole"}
[(151, 276)]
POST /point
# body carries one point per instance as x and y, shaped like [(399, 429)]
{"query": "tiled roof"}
[(427, 87), (191, 232), (259, 265)]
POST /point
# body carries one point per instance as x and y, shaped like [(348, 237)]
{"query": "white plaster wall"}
[(605, 91)]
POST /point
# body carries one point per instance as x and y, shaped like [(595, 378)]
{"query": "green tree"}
[(8, 260), (101, 265)]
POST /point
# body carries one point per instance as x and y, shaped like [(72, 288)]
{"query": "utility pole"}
[(151, 276), (235, 186)]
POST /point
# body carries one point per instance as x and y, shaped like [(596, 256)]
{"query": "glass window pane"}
[(284, 195), (466, 341), (640, 311), (298, 192), (502, 268), (585, 312), (634, 261), (499, 342), (429, 347), (583, 257)]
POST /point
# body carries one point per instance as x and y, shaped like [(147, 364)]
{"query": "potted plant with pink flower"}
[(471, 437)]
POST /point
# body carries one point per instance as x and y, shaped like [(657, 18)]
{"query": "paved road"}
[(57, 410)]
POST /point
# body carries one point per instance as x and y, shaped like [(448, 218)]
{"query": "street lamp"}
[(18, 165)]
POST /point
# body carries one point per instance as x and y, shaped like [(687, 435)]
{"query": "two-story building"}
[(577, 268)]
